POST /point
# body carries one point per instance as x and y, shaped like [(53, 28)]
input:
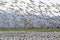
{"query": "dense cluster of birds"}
[(29, 14)]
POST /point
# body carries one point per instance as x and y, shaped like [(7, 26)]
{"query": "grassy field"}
[(36, 30)]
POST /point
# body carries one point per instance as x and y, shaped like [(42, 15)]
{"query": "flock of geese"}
[(29, 14)]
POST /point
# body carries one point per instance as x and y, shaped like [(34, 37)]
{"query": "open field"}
[(36, 30), (29, 34), (21, 35)]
